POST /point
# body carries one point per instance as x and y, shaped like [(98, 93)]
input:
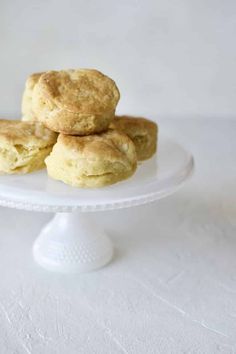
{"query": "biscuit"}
[(92, 161), (141, 131), (76, 102), (24, 146), (26, 105)]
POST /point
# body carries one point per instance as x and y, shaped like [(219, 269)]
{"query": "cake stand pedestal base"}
[(72, 243)]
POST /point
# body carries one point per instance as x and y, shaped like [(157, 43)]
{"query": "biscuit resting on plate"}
[(92, 161), (76, 102), (26, 105), (24, 146), (141, 131)]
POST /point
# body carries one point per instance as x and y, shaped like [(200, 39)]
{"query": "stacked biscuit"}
[(69, 119)]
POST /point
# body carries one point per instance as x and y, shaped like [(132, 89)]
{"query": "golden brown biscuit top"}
[(134, 125), (21, 132), (83, 90), (32, 80), (111, 145)]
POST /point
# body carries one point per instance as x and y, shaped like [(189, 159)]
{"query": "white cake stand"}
[(71, 242)]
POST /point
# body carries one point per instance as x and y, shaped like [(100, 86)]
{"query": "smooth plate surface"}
[(154, 179)]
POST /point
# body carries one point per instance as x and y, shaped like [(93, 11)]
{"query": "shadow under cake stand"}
[(71, 242)]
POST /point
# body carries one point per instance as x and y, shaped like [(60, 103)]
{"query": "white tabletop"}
[(171, 287)]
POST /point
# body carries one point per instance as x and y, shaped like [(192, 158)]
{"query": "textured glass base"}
[(72, 243)]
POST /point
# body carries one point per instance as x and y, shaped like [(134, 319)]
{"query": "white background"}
[(174, 58)]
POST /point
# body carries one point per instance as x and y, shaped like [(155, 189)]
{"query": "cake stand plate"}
[(71, 242)]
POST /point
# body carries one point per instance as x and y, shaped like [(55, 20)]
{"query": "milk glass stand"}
[(71, 242)]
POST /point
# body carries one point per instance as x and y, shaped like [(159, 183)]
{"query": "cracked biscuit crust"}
[(77, 102), (141, 131), (92, 161), (24, 146)]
